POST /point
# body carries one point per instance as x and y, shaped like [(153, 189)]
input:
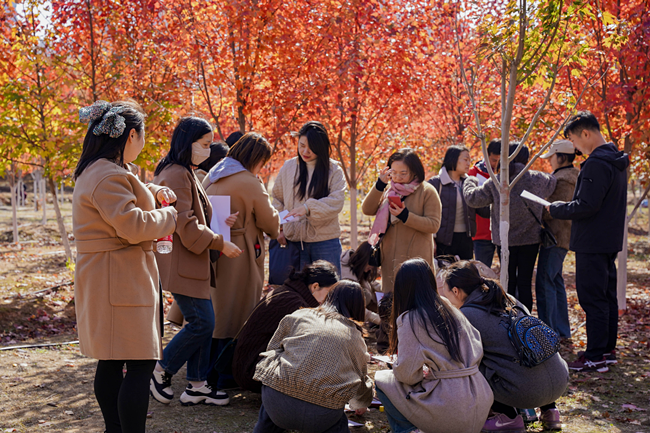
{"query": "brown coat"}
[(117, 296), (186, 271), (239, 281), (409, 240), (566, 184)]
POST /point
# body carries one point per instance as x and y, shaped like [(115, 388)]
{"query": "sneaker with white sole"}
[(160, 386), (585, 365), (502, 424), (205, 395), (551, 419), (610, 357)]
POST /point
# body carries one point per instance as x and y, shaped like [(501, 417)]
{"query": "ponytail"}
[(465, 276)]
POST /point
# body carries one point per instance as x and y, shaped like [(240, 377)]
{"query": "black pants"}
[(520, 272), (461, 246), (124, 399), (596, 287)]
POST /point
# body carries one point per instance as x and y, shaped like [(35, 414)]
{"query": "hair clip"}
[(93, 112), (112, 123)]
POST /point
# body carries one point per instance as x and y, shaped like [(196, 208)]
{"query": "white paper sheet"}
[(385, 358), (532, 197), (379, 296), (355, 424), (220, 212), (283, 217), (481, 179)]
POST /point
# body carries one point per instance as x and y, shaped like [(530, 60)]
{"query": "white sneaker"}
[(160, 386), (205, 395)]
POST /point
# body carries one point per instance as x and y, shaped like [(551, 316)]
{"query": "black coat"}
[(598, 205)]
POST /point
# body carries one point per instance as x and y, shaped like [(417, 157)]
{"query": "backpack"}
[(533, 340)]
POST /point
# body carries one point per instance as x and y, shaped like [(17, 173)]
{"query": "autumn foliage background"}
[(381, 74)]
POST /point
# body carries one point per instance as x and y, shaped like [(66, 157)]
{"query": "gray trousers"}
[(279, 412)]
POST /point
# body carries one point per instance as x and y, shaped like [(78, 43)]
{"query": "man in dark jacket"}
[(597, 211)]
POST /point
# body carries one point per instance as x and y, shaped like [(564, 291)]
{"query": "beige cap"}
[(560, 146)]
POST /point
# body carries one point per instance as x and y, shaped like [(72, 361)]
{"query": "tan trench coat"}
[(239, 281), (409, 240), (187, 270), (117, 295)]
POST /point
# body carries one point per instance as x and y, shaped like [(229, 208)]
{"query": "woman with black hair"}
[(311, 187), (315, 363), (355, 266), (486, 306), (186, 272), (457, 221), (407, 215), (435, 383), (117, 296), (305, 289)]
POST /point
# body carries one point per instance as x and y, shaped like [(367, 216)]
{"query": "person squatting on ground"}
[(117, 296), (239, 281), (484, 303), (436, 373), (457, 220), (305, 289), (186, 271), (484, 248), (550, 291), (524, 233), (312, 187), (356, 266), (597, 211), (315, 363)]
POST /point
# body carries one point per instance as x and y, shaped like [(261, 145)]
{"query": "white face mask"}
[(199, 153)]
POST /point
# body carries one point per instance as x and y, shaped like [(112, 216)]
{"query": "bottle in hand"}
[(165, 244)]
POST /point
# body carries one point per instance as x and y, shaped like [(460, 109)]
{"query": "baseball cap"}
[(560, 146)]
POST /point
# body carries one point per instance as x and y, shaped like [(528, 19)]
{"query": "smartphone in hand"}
[(395, 200)]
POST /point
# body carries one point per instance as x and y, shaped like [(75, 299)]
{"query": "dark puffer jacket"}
[(447, 190), (598, 205)]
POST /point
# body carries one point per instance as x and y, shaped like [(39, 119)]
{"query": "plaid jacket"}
[(319, 360)]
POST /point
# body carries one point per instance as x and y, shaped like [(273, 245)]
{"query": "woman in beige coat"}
[(117, 295), (186, 271), (435, 384), (239, 281)]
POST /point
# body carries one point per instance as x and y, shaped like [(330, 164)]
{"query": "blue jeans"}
[(324, 250), (551, 293), (397, 422), (484, 251), (192, 343)]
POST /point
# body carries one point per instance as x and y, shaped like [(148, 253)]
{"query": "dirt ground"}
[(50, 388)]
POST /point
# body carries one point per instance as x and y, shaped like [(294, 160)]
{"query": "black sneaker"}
[(160, 386), (610, 357), (205, 395), (584, 364)]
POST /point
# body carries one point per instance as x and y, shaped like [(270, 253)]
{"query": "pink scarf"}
[(380, 225)]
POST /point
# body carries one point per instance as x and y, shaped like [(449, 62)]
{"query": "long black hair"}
[(104, 146), (359, 259), (416, 291), (319, 144), (466, 277), (188, 130), (322, 272), (345, 298)]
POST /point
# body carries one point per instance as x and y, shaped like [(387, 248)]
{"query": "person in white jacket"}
[(312, 187)]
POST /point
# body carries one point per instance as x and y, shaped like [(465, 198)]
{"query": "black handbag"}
[(548, 238), (282, 259)]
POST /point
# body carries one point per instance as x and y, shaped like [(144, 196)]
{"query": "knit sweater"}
[(322, 220), (318, 358), (524, 230), (257, 332), (566, 185)]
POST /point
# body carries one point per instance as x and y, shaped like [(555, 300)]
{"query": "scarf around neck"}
[(380, 225)]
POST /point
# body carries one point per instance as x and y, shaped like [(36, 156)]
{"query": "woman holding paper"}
[(239, 282), (524, 232), (311, 187), (186, 271)]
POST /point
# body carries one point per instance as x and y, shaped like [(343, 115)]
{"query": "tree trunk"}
[(621, 280), (43, 192), (59, 220), (354, 226), (504, 229), (14, 205)]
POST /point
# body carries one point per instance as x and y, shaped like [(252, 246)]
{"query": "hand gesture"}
[(394, 209), (282, 240), (230, 250), (298, 212), (230, 221), (360, 412), (384, 174), (165, 194)]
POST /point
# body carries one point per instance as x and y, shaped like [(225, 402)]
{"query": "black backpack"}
[(533, 340)]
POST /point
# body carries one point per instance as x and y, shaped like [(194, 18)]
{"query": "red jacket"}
[(482, 224)]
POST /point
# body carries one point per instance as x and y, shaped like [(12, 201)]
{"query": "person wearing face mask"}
[(305, 289), (239, 281), (311, 187), (186, 271), (458, 221)]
